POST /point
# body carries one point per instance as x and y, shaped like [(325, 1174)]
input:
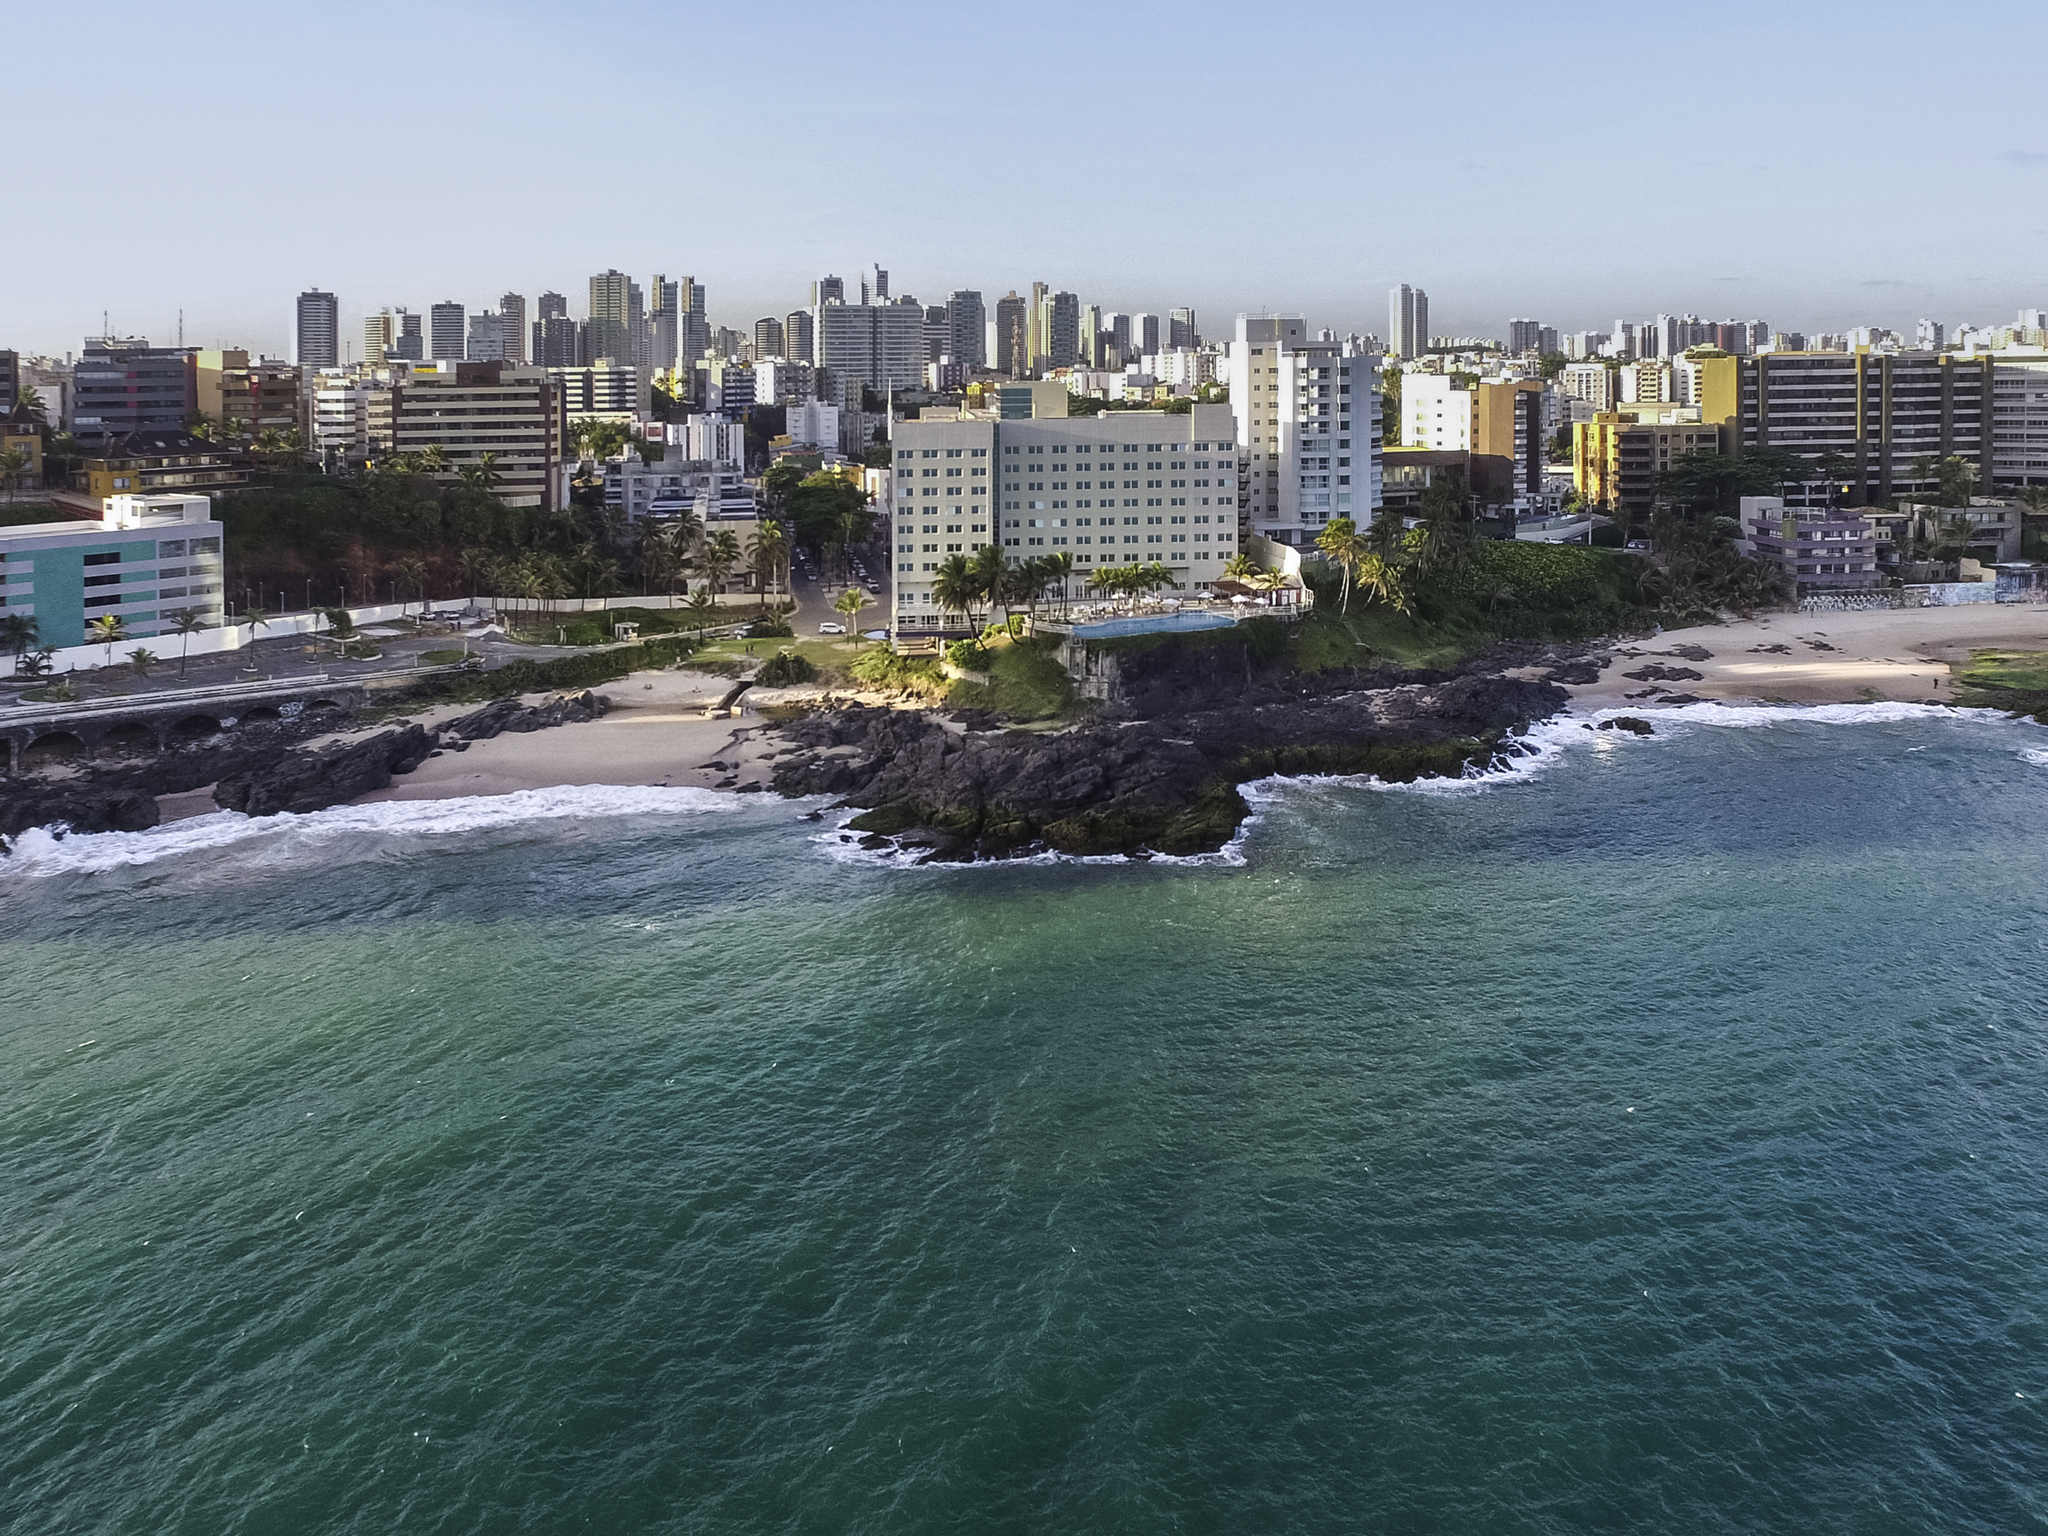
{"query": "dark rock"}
[(751, 787), (1689, 653), (1576, 672), (1661, 674), (83, 807), (1680, 698), (502, 715), (1167, 784), (1820, 645), (1628, 723), (313, 779), (1770, 650), (812, 816)]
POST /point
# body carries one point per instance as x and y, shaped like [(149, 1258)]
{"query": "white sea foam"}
[(843, 847), (43, 851), (2038, 756), (1886, 712)]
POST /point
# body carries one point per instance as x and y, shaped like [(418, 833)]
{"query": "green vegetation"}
[(1026, 682), (1993, 679), (562, 673), (884, 670), (20, 513), (785, 669), (443, 657), (968, 655)]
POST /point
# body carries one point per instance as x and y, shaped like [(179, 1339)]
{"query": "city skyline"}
[(1474, 187)]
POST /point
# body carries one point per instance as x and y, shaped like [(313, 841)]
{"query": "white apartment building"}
[(784, 383), (813, 424), (1308, 428), (674, 484), (341, 416), (147, 560), (877, 345), (715, 439), (1590, 382), (1122, 488), (2019, 417), (1435, 413)]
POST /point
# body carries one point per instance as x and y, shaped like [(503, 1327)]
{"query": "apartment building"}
[(340, 411), (129, 386), (674, 484), (1407, 322), (1822, 549), (318, 332), (1307, 416), (153, 463), (1507, 439), (1618, 455), (880, 346), (146, 560), (447, 331), (2019, 417), (1123, 488), (601, 388), (248, 397), (1877, 418), (470, 409), (1593, 383), (1436, 413)]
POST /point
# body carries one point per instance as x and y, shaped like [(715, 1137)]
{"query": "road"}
[(814, 597)]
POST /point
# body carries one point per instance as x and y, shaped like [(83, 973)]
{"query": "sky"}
[(1814, 165)]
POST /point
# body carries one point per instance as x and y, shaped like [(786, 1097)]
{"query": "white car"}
[(829, 628)]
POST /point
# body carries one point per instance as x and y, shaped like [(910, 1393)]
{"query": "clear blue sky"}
[(1816, 165)]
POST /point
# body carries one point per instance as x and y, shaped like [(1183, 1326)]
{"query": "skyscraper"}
[(407, 346), (1037, 320), (768, 337), (1407, 321), (1524, 336), (615, 314), (447, 330), (693, 329), (1063, 330), (1012, 340), (486, 342), (378, 336), (826, 289), (967, 320), (665, 329), (938, 333), (797, 337), (512, 326), (1180, 329), (319, 330)]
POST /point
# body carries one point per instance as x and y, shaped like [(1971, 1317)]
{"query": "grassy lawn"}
[(441, 658), (820, 652), (2004, 679), (1367, 635), (1025, 683)]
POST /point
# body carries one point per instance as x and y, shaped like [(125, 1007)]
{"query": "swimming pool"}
[(1151, 624)]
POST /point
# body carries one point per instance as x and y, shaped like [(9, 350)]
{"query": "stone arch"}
[(51, 749), (323, 706), (193, 728), (262, 714), (131, 738)]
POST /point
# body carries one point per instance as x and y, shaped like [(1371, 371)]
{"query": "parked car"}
[(829, 628)]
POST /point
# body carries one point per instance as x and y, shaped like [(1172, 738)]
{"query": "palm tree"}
[(1269, 582), (433, 460), (1059, 570), (17, 635), (189, 622), (768, 550), (107, 630), (28, 407), (142, 659), (956, 588), (703, 608), (13, 465), (850, 602), (721, 554), (255, 618), (412, 572), (1241, 567), (35, 663), (1380, 579), (1341, 541), (476, 563), (991, 575)]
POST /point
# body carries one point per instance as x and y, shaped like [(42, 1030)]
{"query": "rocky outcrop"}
[(314, 779), (1168, 785), (83, 807), (1656, 673), (503, 715)]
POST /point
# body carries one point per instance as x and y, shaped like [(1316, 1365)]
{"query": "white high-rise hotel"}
[(1407, 322), (1122, 488), (1308, 420)]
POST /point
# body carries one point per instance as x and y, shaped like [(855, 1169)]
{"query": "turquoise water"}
[(1152, 624), (1653, 1144)]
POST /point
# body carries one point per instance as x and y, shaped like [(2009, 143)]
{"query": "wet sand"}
[(1831, 658)]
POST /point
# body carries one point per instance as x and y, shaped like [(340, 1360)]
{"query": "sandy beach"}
[(655, 733), (1833, 658)]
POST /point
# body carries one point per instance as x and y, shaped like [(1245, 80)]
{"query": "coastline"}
[(655, 733), (1891, 655)]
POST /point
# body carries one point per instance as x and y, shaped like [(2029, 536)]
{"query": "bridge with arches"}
[(40, 736)]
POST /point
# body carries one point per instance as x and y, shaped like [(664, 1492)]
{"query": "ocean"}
[(1651, 1138)]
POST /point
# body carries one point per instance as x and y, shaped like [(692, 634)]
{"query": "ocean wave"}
[(843, 847), (1882, 712), (46, 851)]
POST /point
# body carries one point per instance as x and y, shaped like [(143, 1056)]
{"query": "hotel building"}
[(149, 559), (1122, 488), (1308, 427)]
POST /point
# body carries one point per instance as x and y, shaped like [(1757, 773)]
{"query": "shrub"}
[(785, 668), (880, 668), (770, 629), (339, 624), (968, 655)]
